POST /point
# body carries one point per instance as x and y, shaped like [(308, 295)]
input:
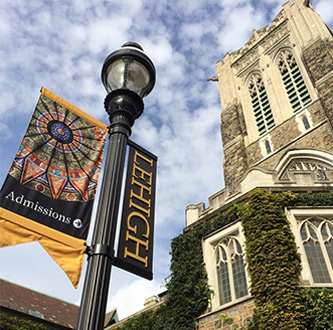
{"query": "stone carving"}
[(247, 59), (250, 53), (276, 37), (321, 171)]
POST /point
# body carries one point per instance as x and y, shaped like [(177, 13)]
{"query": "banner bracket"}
[(88, 250), (102, 249)]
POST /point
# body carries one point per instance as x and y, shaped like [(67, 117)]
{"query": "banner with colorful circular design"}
[(54, 175)]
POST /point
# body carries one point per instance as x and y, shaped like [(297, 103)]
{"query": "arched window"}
[(232, 283), (260, 104), (293, 81), (317, 239)]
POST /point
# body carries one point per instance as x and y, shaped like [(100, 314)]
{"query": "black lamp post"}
[(128, 75)]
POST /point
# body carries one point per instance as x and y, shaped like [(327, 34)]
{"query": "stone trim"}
[(290, 143), (223, 308)]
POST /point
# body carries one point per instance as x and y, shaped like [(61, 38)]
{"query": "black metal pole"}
[(123, 107)]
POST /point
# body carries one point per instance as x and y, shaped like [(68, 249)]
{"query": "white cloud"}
[(129, 298), (235, 35), (101, 33), (192, 30), (325, 9), (160, 51)]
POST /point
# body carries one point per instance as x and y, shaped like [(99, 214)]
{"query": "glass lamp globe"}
[(129, 68)]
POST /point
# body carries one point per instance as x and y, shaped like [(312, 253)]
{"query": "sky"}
[(62, 45)]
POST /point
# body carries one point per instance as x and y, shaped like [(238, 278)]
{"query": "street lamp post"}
[(128, 75)]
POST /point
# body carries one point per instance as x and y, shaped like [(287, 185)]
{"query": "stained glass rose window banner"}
[(51, 185)]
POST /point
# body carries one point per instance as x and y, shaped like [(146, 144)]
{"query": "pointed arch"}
[(293, 81), (316, 163), (232, 282), (313, 231), (316, 234), (260, 103), (224, 259)]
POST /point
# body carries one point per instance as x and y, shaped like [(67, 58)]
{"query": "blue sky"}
[(61, 45)]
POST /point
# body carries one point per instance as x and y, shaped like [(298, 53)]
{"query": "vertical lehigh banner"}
[(135, 248), (49, 192)]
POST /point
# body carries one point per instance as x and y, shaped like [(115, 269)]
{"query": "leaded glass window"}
[(232, 283), (260, 104), (223, 276), (327, 235), (317, 239), (293, 81)]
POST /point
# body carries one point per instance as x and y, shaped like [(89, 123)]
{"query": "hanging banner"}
[(135, 248), (49, 192)]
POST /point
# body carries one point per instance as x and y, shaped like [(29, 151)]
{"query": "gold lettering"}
[(136, 154), (136, 255), (139, 207), (142, 186), (142, 175), (134, 228)]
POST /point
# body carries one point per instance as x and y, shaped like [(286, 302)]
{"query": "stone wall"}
[(282, 136), (314, 53), (231, 318), (234, 163), (318, 60), (233, 131), (321, 138)]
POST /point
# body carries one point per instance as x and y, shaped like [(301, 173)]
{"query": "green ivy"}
[(273, 263), (8, 322), (312, 199), (319, 308)]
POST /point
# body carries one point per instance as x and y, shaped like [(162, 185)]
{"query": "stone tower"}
[(276, 93)]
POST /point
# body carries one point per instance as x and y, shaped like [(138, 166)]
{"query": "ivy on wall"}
[(319, 306), (273, 263)]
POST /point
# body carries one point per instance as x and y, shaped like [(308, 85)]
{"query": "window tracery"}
[(317, 239), (224, 259), (293, 81), (232, 283), (313, 231), (260, 104), (320, 171)]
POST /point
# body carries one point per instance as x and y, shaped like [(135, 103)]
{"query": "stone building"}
[(276, 123)]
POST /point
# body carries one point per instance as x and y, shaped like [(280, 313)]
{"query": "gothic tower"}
[(276, 93)]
